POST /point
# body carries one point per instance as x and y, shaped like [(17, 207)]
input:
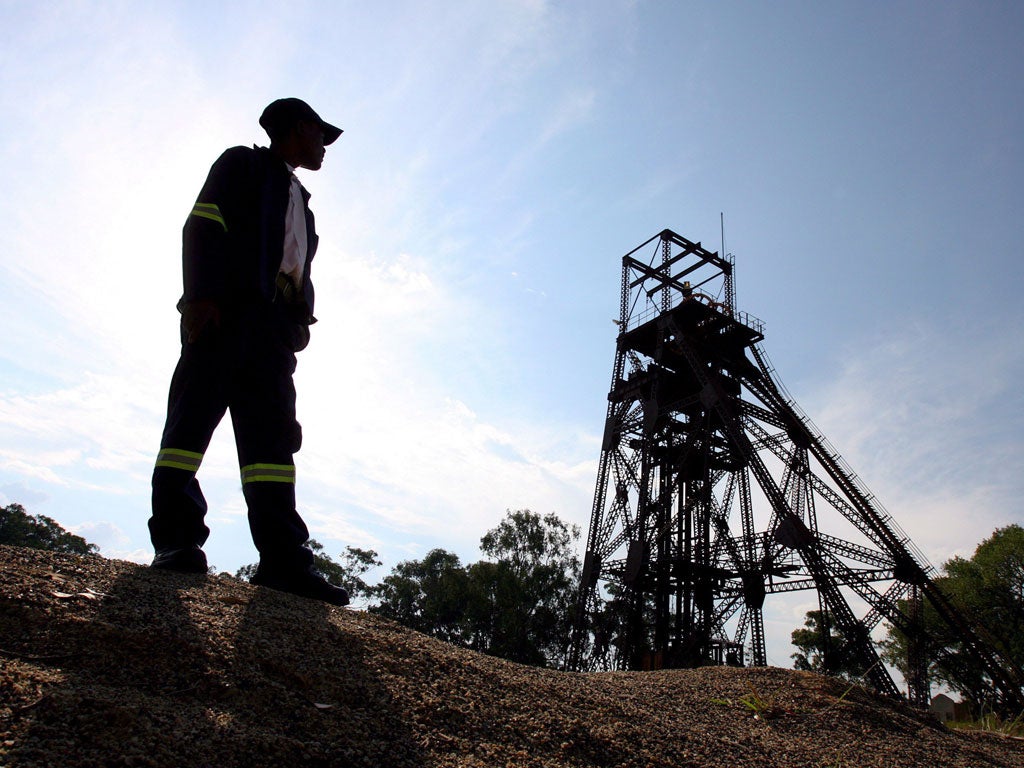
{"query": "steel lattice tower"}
[(714, 491)]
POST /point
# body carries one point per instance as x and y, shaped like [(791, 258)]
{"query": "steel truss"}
[(714, 490)]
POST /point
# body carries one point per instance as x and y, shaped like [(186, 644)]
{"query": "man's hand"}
[(197, 315)]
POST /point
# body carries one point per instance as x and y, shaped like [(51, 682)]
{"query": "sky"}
[(498, 159)]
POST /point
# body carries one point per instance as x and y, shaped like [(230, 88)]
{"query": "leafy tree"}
[(354, 565), (347, 573), (246, 572), (989, 589), (431, 595), (824, 648), (530, 587), (20, 529), (517, 605)]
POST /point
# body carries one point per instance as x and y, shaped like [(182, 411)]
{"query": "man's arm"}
[(206, 239)]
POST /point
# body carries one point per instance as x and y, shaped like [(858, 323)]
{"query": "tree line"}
[(988, 588), (20, 529)]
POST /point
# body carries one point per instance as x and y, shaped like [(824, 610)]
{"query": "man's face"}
[(310, 145)]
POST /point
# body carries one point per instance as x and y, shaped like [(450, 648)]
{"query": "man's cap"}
[(281, 115)]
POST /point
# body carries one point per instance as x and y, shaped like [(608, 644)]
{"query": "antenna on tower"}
[(721, 218), (730, 274)]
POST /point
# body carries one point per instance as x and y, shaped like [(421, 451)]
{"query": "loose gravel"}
[(106, 663)]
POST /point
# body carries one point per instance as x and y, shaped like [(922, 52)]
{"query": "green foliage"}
[(531, 585), (762, 707), (431, 595), (246, 572), (20, 529), (994, 723), (989, 589), (516, 605), (348, 573), (355, 563), (824, 648)]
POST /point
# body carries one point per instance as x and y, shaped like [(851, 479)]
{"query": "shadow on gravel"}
[(168, 670)]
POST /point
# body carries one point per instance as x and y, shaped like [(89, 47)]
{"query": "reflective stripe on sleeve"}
[(268, 473), (175, 458), (209, 211)]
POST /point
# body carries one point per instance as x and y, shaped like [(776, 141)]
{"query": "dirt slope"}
[(105, 663)]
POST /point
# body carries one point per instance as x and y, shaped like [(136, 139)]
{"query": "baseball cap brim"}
[(331, 133), (281, 115)]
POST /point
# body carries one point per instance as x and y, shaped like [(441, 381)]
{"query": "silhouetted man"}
[(247, 306)]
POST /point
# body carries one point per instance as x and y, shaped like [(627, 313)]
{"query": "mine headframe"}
[(714, 490)]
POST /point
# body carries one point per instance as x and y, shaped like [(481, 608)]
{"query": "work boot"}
[(184, 560), (304, 582)]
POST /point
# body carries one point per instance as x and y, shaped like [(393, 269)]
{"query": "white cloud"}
[(931, 418), (34, 471), (107, 536), (389, 443), (573, 109)]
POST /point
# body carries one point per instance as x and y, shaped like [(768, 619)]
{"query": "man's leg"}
[(268, 435), (196, 404)]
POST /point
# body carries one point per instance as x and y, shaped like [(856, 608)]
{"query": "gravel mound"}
[(106, 663)]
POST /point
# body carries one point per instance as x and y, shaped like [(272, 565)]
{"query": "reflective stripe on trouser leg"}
[(268, 473), (277, 528), (178, 503), (176, 458), (198, 398)]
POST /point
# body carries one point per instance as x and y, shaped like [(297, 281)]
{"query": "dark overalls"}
[(233, 245)]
